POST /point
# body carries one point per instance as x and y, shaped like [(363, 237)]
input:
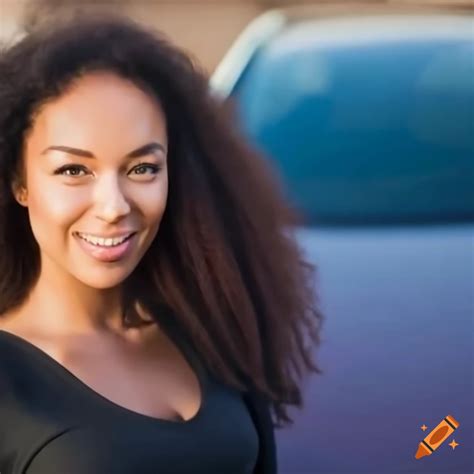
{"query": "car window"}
[(371, 133)]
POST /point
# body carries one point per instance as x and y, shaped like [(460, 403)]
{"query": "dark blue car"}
[(369, 119)]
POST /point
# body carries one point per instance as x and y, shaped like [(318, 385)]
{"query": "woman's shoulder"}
[(7, 346), (23, 429), (16, 335), (12, 380), (18, 357), (10, 331), (11, 360), (12, 345)]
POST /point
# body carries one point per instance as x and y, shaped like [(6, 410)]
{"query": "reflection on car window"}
[(377, 133)]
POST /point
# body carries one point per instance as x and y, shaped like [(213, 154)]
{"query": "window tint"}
[(374, 133)]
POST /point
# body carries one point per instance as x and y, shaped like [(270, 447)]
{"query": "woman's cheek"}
[(55, 207)]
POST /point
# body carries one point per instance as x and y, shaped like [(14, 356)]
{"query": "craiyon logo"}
[(437, 436)]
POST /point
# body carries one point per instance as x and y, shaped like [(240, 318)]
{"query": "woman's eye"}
[(142, 169), (72, 169), (75, 170)]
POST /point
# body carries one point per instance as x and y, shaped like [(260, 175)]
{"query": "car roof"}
[(307, 26), (372, 29)]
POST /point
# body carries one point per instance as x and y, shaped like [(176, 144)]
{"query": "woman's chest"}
[(160, 385), (61, 422), (153, 378)]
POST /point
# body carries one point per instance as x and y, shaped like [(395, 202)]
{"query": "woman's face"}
[(95, 168)]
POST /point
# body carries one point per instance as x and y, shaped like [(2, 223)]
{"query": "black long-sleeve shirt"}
[(52, 423)]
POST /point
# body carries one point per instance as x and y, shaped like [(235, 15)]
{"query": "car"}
[(368, 117)]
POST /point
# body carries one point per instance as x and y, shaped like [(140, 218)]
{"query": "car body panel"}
[(380, 159)]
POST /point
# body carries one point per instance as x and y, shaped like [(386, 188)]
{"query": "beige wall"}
[(205, 28)]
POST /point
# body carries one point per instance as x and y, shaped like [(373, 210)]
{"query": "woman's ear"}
[(21, 194), (18, 186)]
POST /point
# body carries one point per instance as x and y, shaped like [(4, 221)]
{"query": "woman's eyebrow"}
[(142, 151)]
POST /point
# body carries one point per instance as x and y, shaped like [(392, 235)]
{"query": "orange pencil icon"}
[(437, 436)]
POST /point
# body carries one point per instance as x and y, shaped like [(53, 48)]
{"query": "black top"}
[(51, 422)]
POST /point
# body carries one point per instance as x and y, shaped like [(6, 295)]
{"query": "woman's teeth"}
[(103, 242)]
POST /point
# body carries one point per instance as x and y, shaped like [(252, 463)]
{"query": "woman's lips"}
[(107, 254)]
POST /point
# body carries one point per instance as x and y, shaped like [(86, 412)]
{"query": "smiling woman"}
[(93, 203), (145, 321)]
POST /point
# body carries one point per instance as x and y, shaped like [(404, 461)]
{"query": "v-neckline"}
[(66, 374)]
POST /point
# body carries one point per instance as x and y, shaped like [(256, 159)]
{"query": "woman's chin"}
[(103, 279)]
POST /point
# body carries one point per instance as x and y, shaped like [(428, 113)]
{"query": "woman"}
[(153, 304)]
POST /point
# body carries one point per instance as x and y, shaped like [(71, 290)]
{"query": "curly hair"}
[(224, 265)]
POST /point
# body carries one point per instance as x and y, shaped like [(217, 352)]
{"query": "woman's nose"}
[(111, 203)]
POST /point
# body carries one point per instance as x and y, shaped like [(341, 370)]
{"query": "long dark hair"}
[(224, 264)]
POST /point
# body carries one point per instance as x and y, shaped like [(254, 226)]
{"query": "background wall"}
[(205, 28)]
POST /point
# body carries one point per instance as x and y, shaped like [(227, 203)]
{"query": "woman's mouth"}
[(106, 250)]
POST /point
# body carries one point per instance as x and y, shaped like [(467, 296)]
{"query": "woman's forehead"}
[(106, 93), (101, 107)]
